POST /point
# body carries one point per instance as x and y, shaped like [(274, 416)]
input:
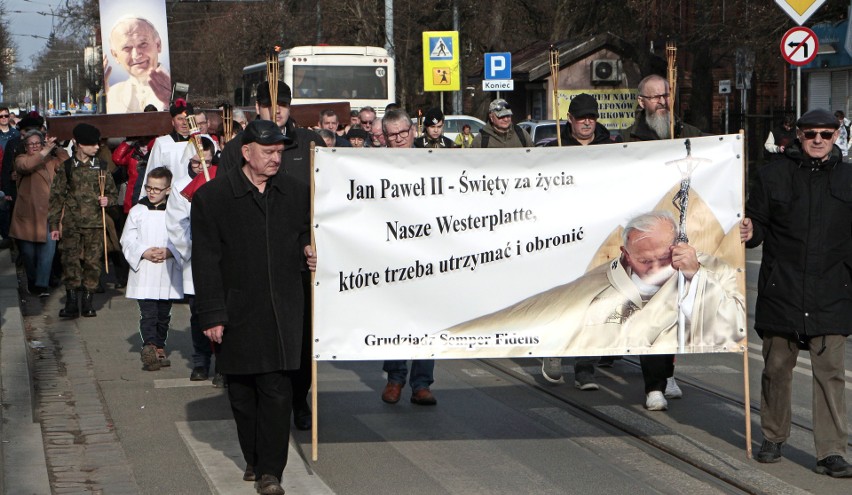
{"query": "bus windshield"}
[(335, 82)]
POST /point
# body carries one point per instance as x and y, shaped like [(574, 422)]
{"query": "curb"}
[(24, 466)]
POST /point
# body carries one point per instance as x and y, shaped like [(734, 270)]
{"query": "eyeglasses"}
[(366, 122), (4, 115), (400, 134), (195, 163), (811, 134), (33, 144), (664, 96), (155, 190)]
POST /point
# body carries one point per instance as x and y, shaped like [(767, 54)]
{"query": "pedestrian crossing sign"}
[(441, 71)]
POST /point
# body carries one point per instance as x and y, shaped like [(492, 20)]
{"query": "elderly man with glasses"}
[(500, 132), (800, 209)]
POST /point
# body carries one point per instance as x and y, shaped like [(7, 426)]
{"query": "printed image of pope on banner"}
[(582, 251), (136, 55)]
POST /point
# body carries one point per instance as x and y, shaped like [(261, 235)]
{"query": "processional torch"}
[(227, 122), (671, 60), (272, 66), (195, 139), (554, 77)]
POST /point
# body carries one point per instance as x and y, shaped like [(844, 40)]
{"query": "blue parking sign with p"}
[(498, 65)]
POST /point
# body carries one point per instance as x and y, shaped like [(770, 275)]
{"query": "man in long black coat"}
[(800, 209), (250, 240)]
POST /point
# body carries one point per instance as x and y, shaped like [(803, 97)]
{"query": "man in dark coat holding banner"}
[(800, 209), (250, 241)]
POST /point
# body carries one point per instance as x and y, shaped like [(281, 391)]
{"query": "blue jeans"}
[(202, 347), (38, 260), (422, 373), (155, 315)]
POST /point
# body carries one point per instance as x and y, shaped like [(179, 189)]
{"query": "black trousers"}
[(259, 402), (302, 378), (656, 369)]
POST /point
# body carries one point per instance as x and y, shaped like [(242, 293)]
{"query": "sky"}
[(24, 20)]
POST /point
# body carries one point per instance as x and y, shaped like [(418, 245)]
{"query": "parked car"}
[(544, 131), (453, 125), (541, 131)]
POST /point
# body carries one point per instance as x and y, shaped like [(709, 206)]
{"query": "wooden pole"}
[(102, 186), (314, 393), (671, 60), (741, 281), (554, 78)]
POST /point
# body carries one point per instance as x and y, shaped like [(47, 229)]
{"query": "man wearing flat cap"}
[(250, 242), (75, 219), (296, 162), (800, 209), (433, 131), (500, 132)]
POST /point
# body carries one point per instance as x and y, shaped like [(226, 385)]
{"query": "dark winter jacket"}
[(247, 255), (602, 136), (802, 213)]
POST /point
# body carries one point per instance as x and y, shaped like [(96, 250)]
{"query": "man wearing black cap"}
[(433, 131), (75, 219), (297, 147), (582, 129), (800, 209), (250, 243), (296, 162)]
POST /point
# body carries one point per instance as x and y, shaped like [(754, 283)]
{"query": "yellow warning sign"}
[(441, 70), (441, 76)]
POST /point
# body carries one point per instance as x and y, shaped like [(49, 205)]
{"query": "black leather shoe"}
[(87, 310), (249, 475), (199, 374), (72, 308), (769, 452), (302, 416), (834, 466), (269, 485)]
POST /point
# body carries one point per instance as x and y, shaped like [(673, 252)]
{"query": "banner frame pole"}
[(746, 384), (314, 394)]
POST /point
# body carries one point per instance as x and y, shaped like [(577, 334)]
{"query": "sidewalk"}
[(22, 447)]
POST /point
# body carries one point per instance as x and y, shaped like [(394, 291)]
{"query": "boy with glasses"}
[(155, 276)]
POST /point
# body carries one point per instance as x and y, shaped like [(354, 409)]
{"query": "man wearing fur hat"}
[(433, 131), (75, 220)]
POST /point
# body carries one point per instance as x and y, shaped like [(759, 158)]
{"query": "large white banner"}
[(516, 252)]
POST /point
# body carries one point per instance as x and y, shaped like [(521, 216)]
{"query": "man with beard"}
[(652, 121), (632, 303)]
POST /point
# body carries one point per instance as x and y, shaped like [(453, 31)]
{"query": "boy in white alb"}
[(155, 276)]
